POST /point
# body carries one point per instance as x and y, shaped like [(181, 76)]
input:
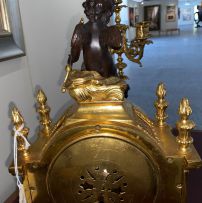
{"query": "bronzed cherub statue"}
[(95, 38)]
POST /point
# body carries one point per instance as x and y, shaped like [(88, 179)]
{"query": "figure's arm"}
[(112, 37), (76, 44)]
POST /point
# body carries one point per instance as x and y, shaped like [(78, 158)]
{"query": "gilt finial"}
[(184, 126), (41, 97), (161, 105), (19, 125), (44, 112), (16, 117)]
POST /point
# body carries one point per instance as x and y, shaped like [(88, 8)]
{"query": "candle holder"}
[(134, 51)]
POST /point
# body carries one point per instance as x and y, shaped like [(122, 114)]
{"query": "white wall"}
[(163, 3), (184, 6), (15, 86), (48, 26)]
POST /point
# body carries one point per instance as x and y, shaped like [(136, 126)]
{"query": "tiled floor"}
[(175, 60)]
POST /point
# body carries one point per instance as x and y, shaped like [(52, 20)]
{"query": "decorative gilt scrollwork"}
[(88, 86), (134, 51)]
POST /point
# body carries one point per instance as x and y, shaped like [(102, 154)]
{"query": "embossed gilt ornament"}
[(103, 148), (90, 86)]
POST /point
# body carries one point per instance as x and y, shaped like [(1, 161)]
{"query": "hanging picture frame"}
[(171, 13), (4, 19), (11, 33), (152, 14), (131, 15)]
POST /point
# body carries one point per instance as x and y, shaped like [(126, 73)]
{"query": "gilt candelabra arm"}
[(137, 50), (137, 45), (134, 51)]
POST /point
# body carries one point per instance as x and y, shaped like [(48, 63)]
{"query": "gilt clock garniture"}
[(103, 149)]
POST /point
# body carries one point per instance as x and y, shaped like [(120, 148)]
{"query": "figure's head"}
[(99, 10)]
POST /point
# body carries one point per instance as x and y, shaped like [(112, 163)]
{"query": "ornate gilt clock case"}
[(104, 149)]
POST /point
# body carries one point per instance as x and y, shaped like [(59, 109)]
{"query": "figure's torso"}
[(95, 50)]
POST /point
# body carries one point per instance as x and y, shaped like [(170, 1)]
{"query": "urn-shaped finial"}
[(16, 117), (41, 97), (161, 104), (184, 126), (19, 127), (44, 112)]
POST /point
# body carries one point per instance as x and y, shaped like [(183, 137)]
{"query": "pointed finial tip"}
[(41, 97), (16, 116), (161, 90), (184, 126), (185, 108)]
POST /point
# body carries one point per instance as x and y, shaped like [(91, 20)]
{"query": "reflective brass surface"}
[(142, 30), (87, 86), (161, 104), (102, 177), (103, 149), (184, 125), (18, 121), (106, 151), (19, 125), (44, 110)]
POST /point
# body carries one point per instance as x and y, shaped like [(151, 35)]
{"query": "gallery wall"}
[(187, 11), (163, 6), (48, 26), (15, 87), (139, 11)]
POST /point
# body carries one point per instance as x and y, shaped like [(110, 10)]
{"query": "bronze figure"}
[(95, 38)]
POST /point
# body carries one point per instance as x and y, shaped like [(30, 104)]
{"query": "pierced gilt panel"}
[(102, 184)]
